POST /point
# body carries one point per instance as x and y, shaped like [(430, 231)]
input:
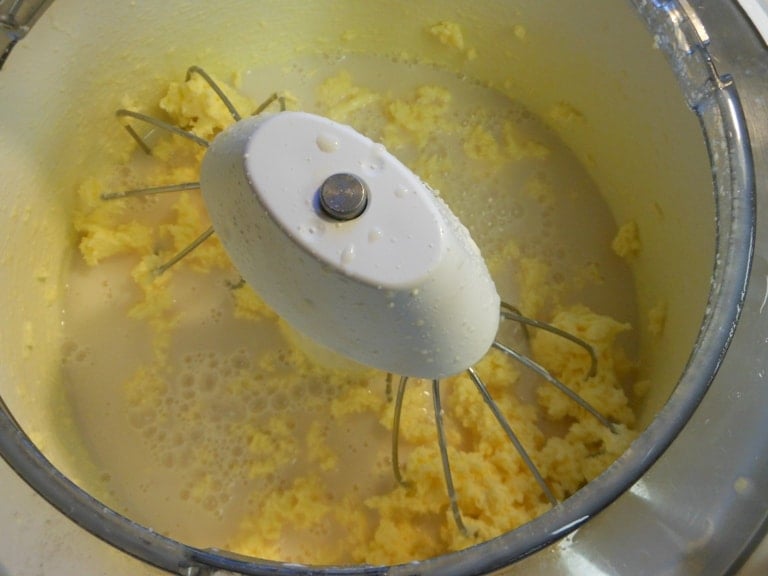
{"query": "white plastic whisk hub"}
[(348, 245)]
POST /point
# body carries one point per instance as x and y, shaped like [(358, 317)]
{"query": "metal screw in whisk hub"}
[(343, 196)]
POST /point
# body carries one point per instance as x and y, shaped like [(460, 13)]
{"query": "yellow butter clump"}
[(626, 243)]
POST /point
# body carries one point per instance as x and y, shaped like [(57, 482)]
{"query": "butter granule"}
[(626, 243)]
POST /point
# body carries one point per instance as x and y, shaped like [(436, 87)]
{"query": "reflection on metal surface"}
[(765, 297), (16, 18)]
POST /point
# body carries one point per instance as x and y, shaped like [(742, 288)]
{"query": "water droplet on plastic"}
[(316, 228), (327, 143), (375, 234), (377, 160), (348, 254)]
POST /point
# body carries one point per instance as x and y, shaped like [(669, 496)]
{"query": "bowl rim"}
[(719, 110)]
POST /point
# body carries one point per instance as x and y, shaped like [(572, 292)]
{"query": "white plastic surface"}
[(402, 287)]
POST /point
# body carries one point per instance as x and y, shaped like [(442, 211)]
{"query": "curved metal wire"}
[(443, 446), (544, 373), (504, 423), (151, 190), (157, 123), (216, 88), (272, 98), (509, 312), (185, 252), (396, 431)]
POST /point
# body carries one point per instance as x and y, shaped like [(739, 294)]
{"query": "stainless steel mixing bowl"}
[(665, 124)]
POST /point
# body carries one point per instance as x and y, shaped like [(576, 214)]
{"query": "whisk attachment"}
[(321, 244), (507, 312), (338, 238)]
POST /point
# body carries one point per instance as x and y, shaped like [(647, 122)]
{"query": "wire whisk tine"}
[(168, 127), (173, 129), (272, 98), (398, 409), (216, 88), (509, 312), (157, 123), (504, 423), (443, 446), (184, 186), (185, 252), (544, 373)]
